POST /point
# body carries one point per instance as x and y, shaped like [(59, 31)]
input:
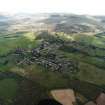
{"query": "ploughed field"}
[(32, 64)]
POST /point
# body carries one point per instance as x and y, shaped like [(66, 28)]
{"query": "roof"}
[(90, 103), (64, 96), (100, 100)]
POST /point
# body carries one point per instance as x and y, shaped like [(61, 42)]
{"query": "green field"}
[(8, 88), (87, 50)]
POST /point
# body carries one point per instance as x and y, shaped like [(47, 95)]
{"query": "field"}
[(23, 79)]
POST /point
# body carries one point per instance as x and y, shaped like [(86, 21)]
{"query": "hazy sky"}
[(92, 7)]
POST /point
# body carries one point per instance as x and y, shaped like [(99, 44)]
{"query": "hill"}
[(68, 23), (42, 52)]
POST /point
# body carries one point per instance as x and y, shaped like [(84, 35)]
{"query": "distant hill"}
[(68, 23), (75, 23)]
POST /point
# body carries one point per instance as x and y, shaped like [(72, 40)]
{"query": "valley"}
[(32, 63)]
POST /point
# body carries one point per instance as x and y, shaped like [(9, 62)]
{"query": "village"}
[(46, 56)]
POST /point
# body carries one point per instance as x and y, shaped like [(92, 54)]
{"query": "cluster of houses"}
[(46, 57)]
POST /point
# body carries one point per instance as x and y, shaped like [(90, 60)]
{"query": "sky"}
[(88, 7)]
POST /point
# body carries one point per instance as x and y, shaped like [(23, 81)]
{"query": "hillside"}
[(68, 23), (35, 60)]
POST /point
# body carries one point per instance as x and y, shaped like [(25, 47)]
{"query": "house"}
[(64, 96), (100, 100), (90, 103)]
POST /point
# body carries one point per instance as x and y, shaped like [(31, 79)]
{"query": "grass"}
[(31, 36), (25, 40), (91, 74), (44, 77), (4, 68), (54, 80), (90, 67), (88, 70), (8, 88), (84, 58)]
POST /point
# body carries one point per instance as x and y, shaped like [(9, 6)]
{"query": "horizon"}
[(80, 7), (28, 13)]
